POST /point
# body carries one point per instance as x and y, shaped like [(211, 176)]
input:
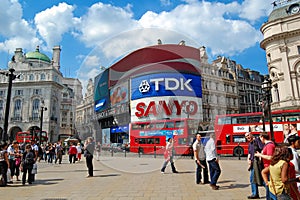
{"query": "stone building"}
[(39, 83), (85, 124), (219, 91), (282, 45), (248, 85)]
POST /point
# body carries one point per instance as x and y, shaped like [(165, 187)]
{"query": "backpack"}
[(29, 158)]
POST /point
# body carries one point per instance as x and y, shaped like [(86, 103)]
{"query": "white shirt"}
[(210, 150), (78, 149), (199, 147), (296, 161)]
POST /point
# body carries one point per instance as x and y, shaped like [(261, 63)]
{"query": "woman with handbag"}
[(278, 172), (18, 157)]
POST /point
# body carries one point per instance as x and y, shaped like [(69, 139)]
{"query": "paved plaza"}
[(130, 178)]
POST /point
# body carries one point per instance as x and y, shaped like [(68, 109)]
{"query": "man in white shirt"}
[(294, 142), (213, 162), (200, 159)]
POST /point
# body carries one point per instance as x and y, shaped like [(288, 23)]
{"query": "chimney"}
[(18, 57), (56, 57)]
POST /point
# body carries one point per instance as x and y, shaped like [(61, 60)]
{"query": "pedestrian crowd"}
[(275, 167), (204, 152), (18, 162)]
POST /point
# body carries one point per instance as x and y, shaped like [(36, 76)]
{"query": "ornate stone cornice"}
[(278, 36)]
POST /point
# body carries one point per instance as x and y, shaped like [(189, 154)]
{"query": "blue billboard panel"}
[(166, 84), (101, 92)]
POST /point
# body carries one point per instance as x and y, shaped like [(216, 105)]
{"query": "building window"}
[(17, 109), (276, 93), (1, 109), (2, 93), (35, 109), (31, 77), (19, 93), (37, 91), (43, 77)]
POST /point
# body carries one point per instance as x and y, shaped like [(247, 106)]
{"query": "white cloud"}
[(104, 20), (255, 9), (16, 31), (206, 23), (53, 22)]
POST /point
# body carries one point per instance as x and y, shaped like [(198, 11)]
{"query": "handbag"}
[(18, 161), (34, 169), (8, 174)]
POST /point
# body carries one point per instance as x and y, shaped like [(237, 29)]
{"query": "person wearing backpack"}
[(27, 164), (4, 163)]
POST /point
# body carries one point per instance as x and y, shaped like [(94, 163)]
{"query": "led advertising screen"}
[(101, 92), (166, 84), (168, 107), (119, 94)]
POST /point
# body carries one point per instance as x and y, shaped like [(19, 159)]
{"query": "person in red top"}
[(72, 153), (266, 154)]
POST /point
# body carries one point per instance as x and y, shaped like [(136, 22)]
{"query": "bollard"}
[(125, 151), (112, 151), (239, 151), (139, 151), (154, 151)]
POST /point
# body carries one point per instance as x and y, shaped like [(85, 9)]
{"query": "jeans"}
[(166, 163), (89, 164), (215, 171), (272, 196), (27, 170), (198, 172), (254, 186)]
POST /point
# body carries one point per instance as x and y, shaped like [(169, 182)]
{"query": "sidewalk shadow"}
[(186, 172), (232, 185), (48, 181), (85, 170), (107, 175)]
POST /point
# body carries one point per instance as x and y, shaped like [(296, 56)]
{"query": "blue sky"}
[(96, 33)]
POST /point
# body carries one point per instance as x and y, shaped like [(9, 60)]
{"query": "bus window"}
[(156, 140), (182, 140), (151, 126), (239, 138), (169, 124), (179, 124), (241, 120), (160, 125), (142, 141), (227, 139), (150, 141), (254, 119), (135, 127), (224, 120)]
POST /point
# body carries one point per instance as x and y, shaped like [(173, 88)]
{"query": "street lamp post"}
[(11, 77), (43, 108), (266, 87)]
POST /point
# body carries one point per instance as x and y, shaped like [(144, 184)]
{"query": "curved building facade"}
[(282, 45), (153, 83)]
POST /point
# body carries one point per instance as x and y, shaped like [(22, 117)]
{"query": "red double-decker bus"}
[(26, 136), (151, 137), (230, 129)]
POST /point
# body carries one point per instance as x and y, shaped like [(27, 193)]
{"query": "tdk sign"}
[(167, 84)]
